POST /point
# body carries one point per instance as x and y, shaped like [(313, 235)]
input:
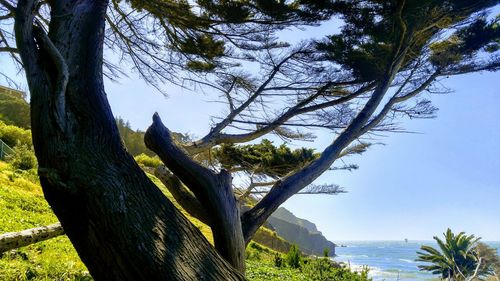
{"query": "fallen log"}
[(14, 240)]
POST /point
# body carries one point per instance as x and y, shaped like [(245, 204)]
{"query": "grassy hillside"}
[(22, 206)]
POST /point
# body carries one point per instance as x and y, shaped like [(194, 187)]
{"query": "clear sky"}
[(415, 186)]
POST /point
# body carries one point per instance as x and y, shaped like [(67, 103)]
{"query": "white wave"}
[(407, 260)]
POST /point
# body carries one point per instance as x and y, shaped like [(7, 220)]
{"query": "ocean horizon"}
[(388, 259)]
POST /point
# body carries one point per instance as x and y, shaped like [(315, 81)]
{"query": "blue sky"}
[(415, 186)]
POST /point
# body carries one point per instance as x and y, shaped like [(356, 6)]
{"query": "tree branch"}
[(14, 240), (25, 40), (9, 49), (210, 139), (214, 191), (293, 183), (181, 195), (398, 99), (197, 178), (7, 5)]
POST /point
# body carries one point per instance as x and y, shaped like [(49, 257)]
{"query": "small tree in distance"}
[(326, 252), (293, 257)]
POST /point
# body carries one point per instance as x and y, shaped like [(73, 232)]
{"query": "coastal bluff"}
[(301, 232)]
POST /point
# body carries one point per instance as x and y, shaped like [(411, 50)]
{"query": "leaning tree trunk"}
[(120, 223)]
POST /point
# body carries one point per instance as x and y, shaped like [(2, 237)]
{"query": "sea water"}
[(388, 260)]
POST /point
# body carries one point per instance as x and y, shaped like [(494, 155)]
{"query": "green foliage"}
[(312, 269), (456, 258), (293, 257), (200, 66), (264, 158), (278, 260), (148, 161), (23, 206), (14, 110), (324, 269), (133, 140), (490, 261), (480, 35), (375, 31), (23, 158), (326, 252), (13, 135)]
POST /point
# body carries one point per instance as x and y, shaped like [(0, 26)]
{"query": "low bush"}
[(148, 161), (23, 157), (13, 135)]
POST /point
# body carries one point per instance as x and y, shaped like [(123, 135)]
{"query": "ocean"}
[(388, 260)]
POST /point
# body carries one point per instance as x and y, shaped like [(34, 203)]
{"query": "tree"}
[(387, 54), (461, 257), (293, 258), (14, 109)]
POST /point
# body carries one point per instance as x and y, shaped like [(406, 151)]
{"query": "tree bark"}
[(120, 223), (14, 240), (214, 192)]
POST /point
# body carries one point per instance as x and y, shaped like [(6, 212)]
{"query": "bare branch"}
[(9, 49), (14, 240), (313, 189), (398, 99), (295, 182), (229, 118), (213, 139), (250, 189), (196, 177), (8, 5)]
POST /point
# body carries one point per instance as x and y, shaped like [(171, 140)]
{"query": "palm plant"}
[(457, 259)]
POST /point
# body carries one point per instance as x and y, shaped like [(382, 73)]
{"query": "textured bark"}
[(214, 192), (182, 195), (14, 240), (120, 223)]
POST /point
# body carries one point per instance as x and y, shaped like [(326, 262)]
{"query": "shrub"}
[(324, 269), (13, 135), (23, 158), (148, 161), (326, 252), (293, 257), (278, 260)]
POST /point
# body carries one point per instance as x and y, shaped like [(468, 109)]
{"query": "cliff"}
[(301, 232)]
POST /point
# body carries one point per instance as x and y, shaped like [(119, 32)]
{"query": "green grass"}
[(261, 267), (23, 206)]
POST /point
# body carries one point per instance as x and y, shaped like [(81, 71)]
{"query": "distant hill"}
[(288, 216), (301, 232)]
